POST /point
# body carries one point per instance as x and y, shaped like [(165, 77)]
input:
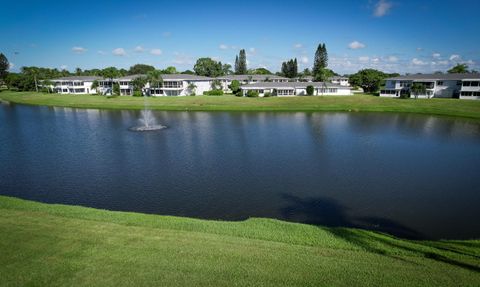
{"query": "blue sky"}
[(390, 35)]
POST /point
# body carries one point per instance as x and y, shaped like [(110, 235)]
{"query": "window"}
[(467, 94), (475, 84), (466, 84), (440, 83), (285, 93), (171, 84), (388, 92)]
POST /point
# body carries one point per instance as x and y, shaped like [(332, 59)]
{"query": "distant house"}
[(75, 85), (339, 80), (226, 81), (296, 88), (463, 86)]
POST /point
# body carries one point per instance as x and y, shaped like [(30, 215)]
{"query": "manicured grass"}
[(58, 245), (366, 103)]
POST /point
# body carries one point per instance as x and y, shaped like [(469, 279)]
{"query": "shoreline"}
[(466, 109)]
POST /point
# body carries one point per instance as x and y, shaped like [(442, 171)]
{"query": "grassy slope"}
[(448, 107), (55, 245)]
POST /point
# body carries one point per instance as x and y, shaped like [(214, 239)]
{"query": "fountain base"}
[(147, 128)]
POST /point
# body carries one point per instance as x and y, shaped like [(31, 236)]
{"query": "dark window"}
[(466, 84), (440, 83), (475, 84)]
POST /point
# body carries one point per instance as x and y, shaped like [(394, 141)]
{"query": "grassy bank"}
[(53, 245), (367, 103)]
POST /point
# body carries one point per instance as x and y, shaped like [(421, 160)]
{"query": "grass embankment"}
[(365, 103), (52, 245)]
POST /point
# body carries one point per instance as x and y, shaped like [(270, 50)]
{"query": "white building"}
[(226, 81), (296, 89), (75, 85), (172, 85), (339, 80), (464, 86)]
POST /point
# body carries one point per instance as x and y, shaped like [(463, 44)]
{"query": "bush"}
[(213, 93), (137, 94), (239, 93), (274, 92), (405, 95), (310, 90), (252, 94), (267, 94)]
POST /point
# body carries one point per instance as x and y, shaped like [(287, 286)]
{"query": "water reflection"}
[(410, 175)]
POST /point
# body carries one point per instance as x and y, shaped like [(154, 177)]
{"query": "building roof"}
[(446, 77), (252, 77), (292, 85), (167, 77), (78, 78), (338, 78)]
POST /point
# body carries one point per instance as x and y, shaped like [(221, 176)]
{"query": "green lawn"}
[(58, 245), (367, 103)]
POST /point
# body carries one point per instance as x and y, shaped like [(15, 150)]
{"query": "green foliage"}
[(459, 68), (188, 72), (95, 84), (110, 73), (238, 93), (252, 94), (274, 92), (267, 94), (208, 67), (213, 93), (290, 68), (321, 59), (140, 69), (310, 90), (139, 83), (227, 69), (137, 94), (235, 86), (259, 71), (154, 78), (418, 89), (20, 82), (116, 89), (191, 88), (369, 79), (241, 63), (4, 66), (216, 85), (170, 70)]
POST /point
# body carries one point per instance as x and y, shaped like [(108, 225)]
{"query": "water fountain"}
[(147, 120)]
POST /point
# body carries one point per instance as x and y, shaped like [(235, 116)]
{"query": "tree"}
[(188, 72), (191, 88), (4, 66), (227, 69), (241, 63), (459, 68), (170, 70), (259, 71), (310, 90), (78, 71), (208, 67), (140, 69), (138, 84), (418, 89), (116, 89), (95, 85), (369, 79), (235, 87), (154, 78), (290, 68), (216, 85), (306, 72), (321, 59)]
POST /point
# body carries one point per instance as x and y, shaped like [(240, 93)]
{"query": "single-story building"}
[(296, 89), (75, 85), (226, 81)]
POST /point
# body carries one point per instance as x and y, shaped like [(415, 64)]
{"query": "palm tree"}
[(139, 83), (191, 87), (418, 88), (95, 85), (155, 79)]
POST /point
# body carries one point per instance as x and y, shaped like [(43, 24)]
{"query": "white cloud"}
[(382, 8), (375, 60), (63, 67), (363, 59), (156, 52), (455, 57), (100, 52), (252, 50), (79, 50), (356, 45), (392, 59), (11, 65), (418, 62), (223, 47), (304, 59), (119, 52), (436, 55), (298, 46), (445, 62), (139, 49)]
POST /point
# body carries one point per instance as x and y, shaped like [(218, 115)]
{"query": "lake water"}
[(409, 175)]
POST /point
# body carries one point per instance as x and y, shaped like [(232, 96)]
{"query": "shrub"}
[(404, 95), (213, 93), (267, 94), (137, 94), (274, 92), (310, 90), (235, 86), (252, 94), (239, 93)]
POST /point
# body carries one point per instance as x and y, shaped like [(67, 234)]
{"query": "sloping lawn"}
[(58, 245), (366, 103)]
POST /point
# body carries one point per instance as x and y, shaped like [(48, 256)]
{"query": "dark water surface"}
[(409, 175)]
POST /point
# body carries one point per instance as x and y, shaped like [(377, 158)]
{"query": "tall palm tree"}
[(155, 79)]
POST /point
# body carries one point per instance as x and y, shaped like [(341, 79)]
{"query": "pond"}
[(408, 175)]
